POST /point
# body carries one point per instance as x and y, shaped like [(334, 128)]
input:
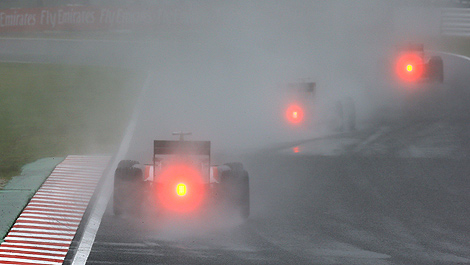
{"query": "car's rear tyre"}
[(436, 69), (128, 185), (237, 189), (244, 203)]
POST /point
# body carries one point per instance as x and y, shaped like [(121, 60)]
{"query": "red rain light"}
[(180, 188), (294, 114), (409, 67)]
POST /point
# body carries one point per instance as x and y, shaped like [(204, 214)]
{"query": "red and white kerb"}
[(43, 232)]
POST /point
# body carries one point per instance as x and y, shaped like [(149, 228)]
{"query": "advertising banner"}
[(78, 18)]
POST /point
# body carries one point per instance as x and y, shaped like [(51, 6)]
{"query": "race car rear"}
[(419, 83), (181, 181), (412, 65)]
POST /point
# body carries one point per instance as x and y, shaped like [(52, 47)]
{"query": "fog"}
[(222, 71), (224, 78)]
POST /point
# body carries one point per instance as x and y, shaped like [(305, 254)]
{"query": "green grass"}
[(56, 110)]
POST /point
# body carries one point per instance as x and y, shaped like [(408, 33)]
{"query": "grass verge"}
[(56, 110)]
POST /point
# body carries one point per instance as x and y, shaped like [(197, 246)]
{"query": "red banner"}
[(76, 18)]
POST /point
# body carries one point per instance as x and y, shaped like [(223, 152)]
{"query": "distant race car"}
[(303, 109), (181, 181), (413, 65), (300, 98), (417, 83)]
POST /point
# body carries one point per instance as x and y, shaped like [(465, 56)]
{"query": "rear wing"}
[(181, 148), (410, 47), (303, 87), (196, 152)]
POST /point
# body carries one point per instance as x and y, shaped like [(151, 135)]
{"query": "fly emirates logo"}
[(76, 18), (48, 18), (15, 19), (61, 17)]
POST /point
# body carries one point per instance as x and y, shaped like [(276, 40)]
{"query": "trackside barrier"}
[(455, 22)]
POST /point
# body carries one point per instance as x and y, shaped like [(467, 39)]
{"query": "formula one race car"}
[(304, 109), (181, 181), (413, 65), (300, 96)]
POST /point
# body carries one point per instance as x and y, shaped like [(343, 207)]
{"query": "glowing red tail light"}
[(180, 188), (409, 67), (294, 114)]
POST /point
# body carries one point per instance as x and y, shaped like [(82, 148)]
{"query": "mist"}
[(224, 78)]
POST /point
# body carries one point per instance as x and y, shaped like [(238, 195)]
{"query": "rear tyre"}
[(237, 189), (350, 110), (436, 69), (244, 203), (128, 188)]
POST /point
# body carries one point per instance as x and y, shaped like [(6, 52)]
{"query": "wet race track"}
[(389, 193), (315, 210)]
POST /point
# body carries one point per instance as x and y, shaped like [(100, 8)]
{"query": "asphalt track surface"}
[(362, 205), (343, 211)]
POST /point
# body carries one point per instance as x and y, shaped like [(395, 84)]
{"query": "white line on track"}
[(34, 246), (41, 237), (75, 188), (84, 173), (34, 250), (54, 257), (54, 226), (67, 191), (59, 191), (83, 167), (91, 228), (56, 205), (70, 188), (64, 210), (25, 261), (68, 237), (52, 216), (51, 211), (58, 201), (23, 220), (34, 255), (42, 231), (50, 257), (62, 196), (75, 175), (73, 178), (68, 178), (70, 183), (62, 205), (38, 241), (57, 216), (87, 169)]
